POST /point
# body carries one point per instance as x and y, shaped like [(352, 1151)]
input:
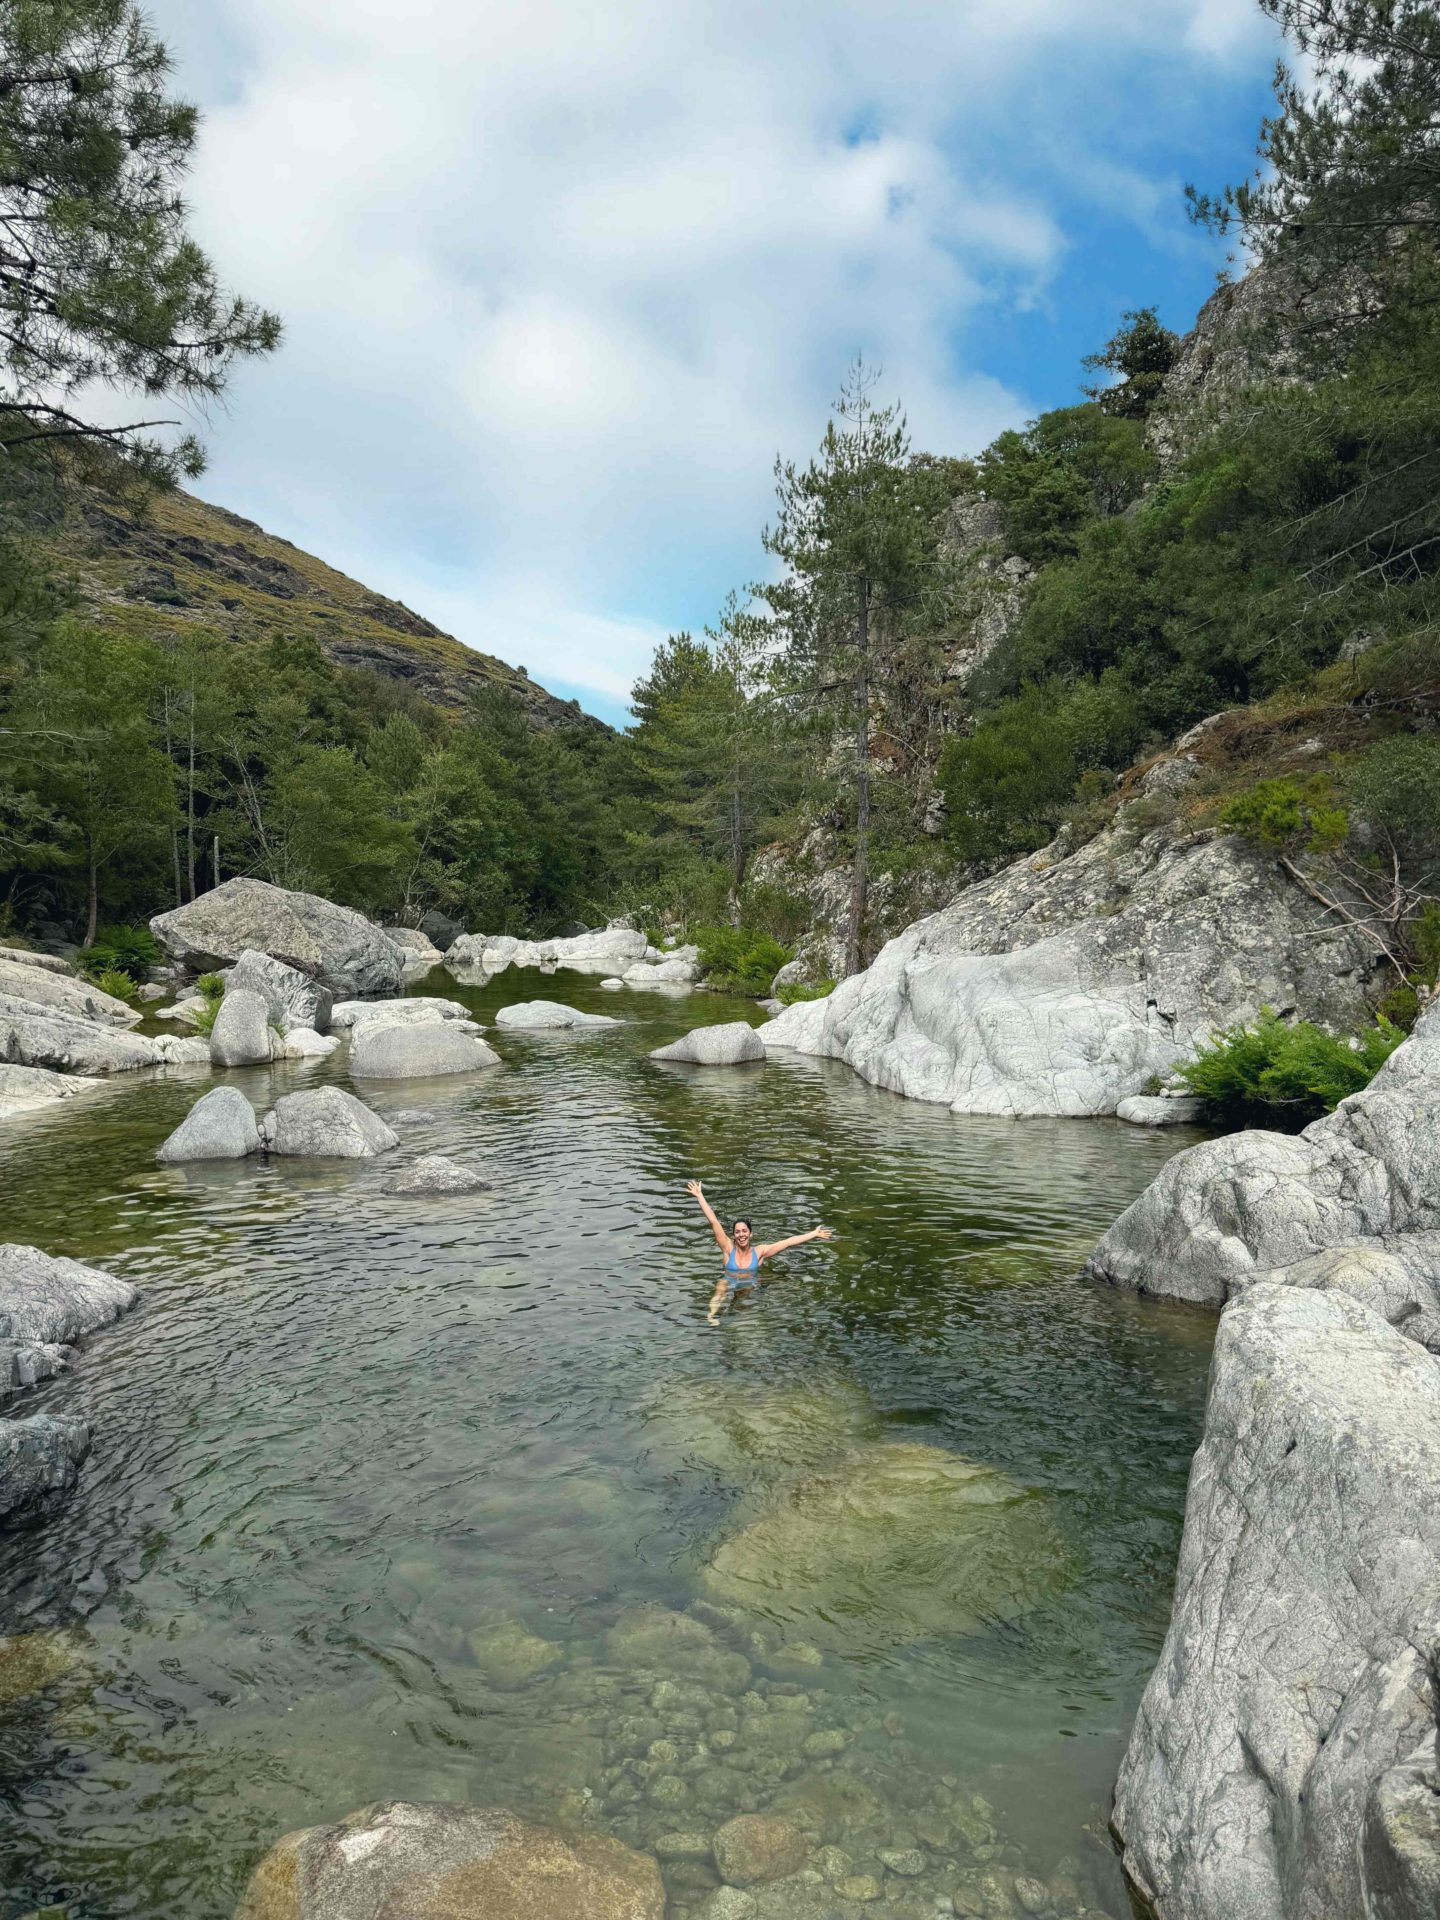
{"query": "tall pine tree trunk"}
[(860, 867), (190, 801), (92, 898)]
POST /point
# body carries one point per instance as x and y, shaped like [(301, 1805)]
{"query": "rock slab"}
[(331, 944), (40, 1460), (436, 1174), (65, 993), (241, 1035), (549, 1013), (32, 1035), (220, 1126), (419, 1051), (406, 1861), (1293, 1709), (325, 1123), (292, 998), (729, 1044)]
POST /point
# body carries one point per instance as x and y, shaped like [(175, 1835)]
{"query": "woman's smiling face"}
[(742, 1233)]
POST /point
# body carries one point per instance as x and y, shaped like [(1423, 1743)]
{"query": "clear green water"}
[(355, 1453)]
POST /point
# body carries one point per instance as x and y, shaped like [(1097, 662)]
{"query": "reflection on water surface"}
[(460, 1498)]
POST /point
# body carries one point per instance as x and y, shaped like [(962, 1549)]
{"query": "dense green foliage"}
[(1292, 1073), (129, 951), (739, 959)]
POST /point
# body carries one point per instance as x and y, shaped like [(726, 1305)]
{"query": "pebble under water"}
[(459, 1498)]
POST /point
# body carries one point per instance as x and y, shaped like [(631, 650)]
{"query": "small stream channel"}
[(460, 1498)]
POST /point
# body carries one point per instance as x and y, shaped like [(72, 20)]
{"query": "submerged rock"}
[(755, 1847), (332, 944), (32, 1035), (40, 1460), (1294, 1700), (509, 1655), (65, 993), (220, 1126), (32, 1662), (417, 1052), (435, 1174), (1227, 1212), (241, 1035), (325, 1123), (416, 1862), (550, 1013), (1066, 984), (292, 998), (888, 1544), (726, 1045)]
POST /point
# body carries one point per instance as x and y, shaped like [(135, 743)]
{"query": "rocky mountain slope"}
[(179, 565)]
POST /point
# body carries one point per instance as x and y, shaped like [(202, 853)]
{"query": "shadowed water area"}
[(459, 1498)]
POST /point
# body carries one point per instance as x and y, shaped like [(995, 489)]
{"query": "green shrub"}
[(1288, 813), (1396, 785), (1424, 931), (118, 985), (774, 910), (740, 959), (211, 986), (128, 950), (205, 1018), (794, 991), (1294, 1073)]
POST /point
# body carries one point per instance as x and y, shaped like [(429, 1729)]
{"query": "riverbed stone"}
[(303, 1043), (509, 1655), (67, 994), (406, 1861), (863, 1887), (671, 972), (325, 1123), (241, 1035), (32, 1662), (32, 1035), (729, 1903), (40, 1460), (755, 1847), (436, 1174), (549, 1013), (181, 1050), (934, 1542), (1072, 980), (606, 951), (417, 1052), (1297, 1672), (293, 998), (731, 1043), (220, 1126), (331, 944), (47, 1298)]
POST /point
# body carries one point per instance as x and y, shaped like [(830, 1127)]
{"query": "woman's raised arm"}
[(795, 1240), (694, 1186)]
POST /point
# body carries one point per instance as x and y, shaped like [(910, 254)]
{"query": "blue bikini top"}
[(732, 1265)]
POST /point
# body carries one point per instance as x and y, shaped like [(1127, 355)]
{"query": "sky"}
[(560, 280)]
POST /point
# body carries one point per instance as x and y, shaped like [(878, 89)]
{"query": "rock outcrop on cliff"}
[(1283, 1765), (1067, 982)]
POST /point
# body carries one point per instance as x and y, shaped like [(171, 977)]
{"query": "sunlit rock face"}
[(888, 1544), (334, 945), (1070, 981)]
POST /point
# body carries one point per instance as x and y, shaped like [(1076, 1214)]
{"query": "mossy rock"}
[(509, 1656), (31, 1662), (890, 1544)]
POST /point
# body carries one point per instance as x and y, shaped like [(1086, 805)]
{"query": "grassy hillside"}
[(178, 563)]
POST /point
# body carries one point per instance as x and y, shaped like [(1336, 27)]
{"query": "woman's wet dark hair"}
[(743, 1222)]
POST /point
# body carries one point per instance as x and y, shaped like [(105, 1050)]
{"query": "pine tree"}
[(100, 281), (852, 529)]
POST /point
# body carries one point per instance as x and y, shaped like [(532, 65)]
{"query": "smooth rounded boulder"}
[(220, 1126), (436, 1174), (417, 1052), (550, 1013), (755, 1847), (413, 1011), (332, 944), (425, 1862), (325, 1123), (730, 1044), (241, 1035)]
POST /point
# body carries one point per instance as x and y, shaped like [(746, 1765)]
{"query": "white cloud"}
[(558, 280)]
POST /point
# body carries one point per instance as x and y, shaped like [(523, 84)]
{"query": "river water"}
[(460, 1498)]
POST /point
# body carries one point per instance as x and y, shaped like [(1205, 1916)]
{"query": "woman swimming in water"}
[(742, 1256)]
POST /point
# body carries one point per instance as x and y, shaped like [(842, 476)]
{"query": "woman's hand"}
[(822, 1233), (694, 1187)]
